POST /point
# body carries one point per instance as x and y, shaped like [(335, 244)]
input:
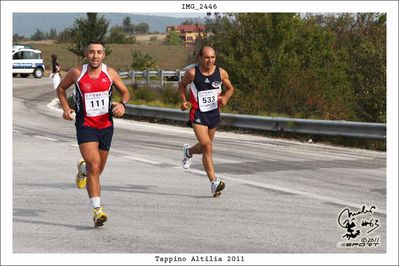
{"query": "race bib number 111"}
[(96, 103)]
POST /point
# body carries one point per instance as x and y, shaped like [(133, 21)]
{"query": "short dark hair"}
[(54, 57), (95, 42)]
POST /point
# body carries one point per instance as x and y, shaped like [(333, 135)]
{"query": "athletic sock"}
[(95, 202), (188, 154), (83, 169)]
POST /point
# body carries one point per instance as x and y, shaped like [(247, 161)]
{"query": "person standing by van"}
[(55, 74)]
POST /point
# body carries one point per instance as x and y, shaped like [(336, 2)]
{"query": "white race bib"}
[(96, 103), (208, 100)]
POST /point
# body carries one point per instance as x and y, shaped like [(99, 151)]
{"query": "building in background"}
[(188, 33)]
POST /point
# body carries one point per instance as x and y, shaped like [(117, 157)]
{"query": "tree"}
[(173, 39), (86, 29), (64, 36), (310, 66), (282, 64), (142, 28), (117, 35), (38, 35), (53, 34), (188, 22), (142, 61), (127, 27), (17, 38), (126, 22), (361, 39)]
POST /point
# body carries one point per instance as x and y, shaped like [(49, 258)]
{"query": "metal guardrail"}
[(371, 131), (147, 74)]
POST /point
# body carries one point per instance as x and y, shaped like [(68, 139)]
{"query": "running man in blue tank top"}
[(206, 97)]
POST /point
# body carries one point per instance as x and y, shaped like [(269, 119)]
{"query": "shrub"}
[(170, 95), (145, 93)]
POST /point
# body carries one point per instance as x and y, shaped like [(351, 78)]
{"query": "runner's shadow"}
[(144, 190), (77, 227)]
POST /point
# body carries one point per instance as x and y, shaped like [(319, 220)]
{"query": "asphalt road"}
[(281, 196)]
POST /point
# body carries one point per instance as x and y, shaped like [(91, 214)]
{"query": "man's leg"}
[(204, 146), (197, 148), (95, 160)]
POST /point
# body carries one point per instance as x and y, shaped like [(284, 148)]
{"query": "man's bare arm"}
[(187, 79), (65, 83)]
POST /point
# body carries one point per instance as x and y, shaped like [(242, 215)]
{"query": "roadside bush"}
[(145, 94), (170, 95)]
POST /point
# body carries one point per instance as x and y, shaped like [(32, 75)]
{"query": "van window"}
[(27, 55), (31, 55), (17, 55)]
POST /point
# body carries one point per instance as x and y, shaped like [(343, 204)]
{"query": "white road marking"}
[(45, 138), (138, 159)]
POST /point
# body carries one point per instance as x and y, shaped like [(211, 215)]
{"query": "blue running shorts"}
[(210, 119), (102, 136)]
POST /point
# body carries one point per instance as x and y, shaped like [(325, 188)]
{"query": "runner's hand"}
[(68, 114), (184, 106), (222, 100), (118, 109)]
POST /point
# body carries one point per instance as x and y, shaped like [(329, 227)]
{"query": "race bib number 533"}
[(96, 103), (208, 100)]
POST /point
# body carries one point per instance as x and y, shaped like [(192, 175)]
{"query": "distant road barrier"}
[(371, 131), (147, 74)]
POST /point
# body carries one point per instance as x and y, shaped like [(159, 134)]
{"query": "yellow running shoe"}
[(81, 176), (100, 217)]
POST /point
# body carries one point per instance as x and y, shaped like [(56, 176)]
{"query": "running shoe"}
[(216, 187), (100, 217), (186, 162), (81, 175)]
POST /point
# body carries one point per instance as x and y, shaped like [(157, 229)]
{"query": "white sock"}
[(188, 153), (95, 202), (83, 169)]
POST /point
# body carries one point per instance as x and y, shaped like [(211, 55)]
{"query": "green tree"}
[(17, 38), (126, 22), (86, 29), (143, 28), (173, 39), (127, 26), (117, 35), (142, 61), (64, 36), (361, 40), (188, 22), (282, 64), (53, 34), (38, 35)]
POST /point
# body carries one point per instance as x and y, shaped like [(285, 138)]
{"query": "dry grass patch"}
[(166, 57)]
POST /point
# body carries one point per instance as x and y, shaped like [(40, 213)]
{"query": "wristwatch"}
[(124, 104)]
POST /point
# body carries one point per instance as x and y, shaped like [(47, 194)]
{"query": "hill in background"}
[(25, 24)]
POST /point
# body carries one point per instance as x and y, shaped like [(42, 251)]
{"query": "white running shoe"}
[(217, 186), (186, 162)]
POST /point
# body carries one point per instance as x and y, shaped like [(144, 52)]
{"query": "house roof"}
[(186, 28)]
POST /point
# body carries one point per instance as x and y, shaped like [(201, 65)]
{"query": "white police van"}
[(26, 61)]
